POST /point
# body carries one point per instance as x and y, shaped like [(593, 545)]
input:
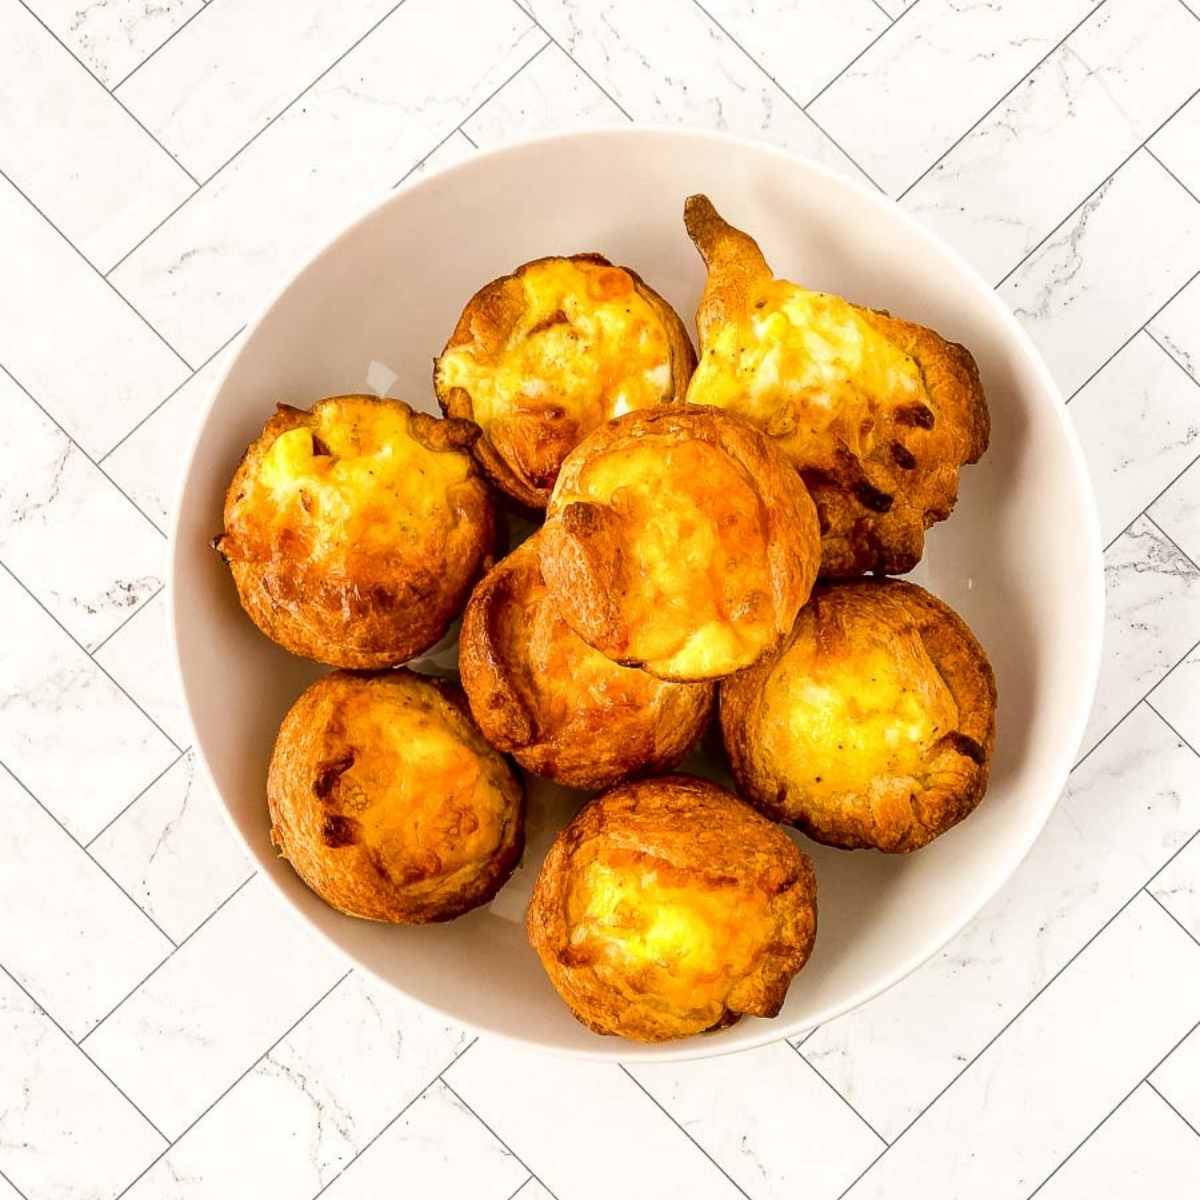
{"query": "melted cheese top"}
[(356, 479), (698, 602), (807, 368), (586, 346)]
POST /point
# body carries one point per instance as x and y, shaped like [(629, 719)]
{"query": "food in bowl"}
[(561, 709), (356, 530), (541, 357), (877, 413), (389, 803), (668, 908), (873, 725), (680, 540)]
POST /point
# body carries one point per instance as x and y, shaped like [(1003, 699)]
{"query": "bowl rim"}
[(1092, 594)]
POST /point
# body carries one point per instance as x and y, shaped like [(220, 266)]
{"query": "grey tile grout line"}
[(579, 66), (1145, 511), (1144, 144), (475, 145), (813, 1068), (1170, 914), (172, 1143), (1171, 356), (98, 865), (521, 1187), (486, 100), (114, 98), (170, 395), (91, 265), (113, 820), (1150, 1085), (99, 666), (158, 591), (458, 1096), (13, 1186), (391, 1121), (887, 15), (653, 1100), (1088, 16), (1173, 542), (892, 23), (253, 138), (1152, 317), (71, 1041), (74, 442), (165, 42), (1017, 1015), (1144, 1079), (788, 96), (166, 959), (1187, 9), (1171, 727)]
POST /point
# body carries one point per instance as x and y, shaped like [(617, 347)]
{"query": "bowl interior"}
[(1019, 559)]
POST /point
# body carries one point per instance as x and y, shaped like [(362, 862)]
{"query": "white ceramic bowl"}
[(1020, 558)]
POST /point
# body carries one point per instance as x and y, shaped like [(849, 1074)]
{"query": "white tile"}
[(237, 66), (521, 1096), (742, 1109), (533, 1190), (1177, 888), (669, 63), (1034, 1095), (438, 1148), (1152, 620), (149, 463), (1056, 138), (453, 150), (1139, 421), (295, 1121), (1179, 1078), (69, 935), (932, 75), (550, 95), (217, 1004), (369, 119), (1177, 327), (1107, 269), (1143, 1149), (67, 731), (803, 44), (71, 149), (7, 1191), (70, 339), (87, 554), (172, 851), (1175, 697), (1178, 144), (65, 1132), (1177, 511), (141, 658), (1126, 810), (111, 37), (895, 8)]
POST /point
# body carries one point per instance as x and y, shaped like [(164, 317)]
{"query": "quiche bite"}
[(541, 357), (877, 413), (873, 726), (356, 530), (668, 908)]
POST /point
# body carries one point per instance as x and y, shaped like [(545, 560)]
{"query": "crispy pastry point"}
[(389, 803), (668, 907), (873, 725), (680, 539), (355, 531), (541, 357), (562, 709), (877, 413)]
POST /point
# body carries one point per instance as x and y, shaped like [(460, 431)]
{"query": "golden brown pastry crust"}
[(882, 457), (334, 588), (388, 801), (563, 710), (668, 907), (873, 726), (680, 540), (522, 456)]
